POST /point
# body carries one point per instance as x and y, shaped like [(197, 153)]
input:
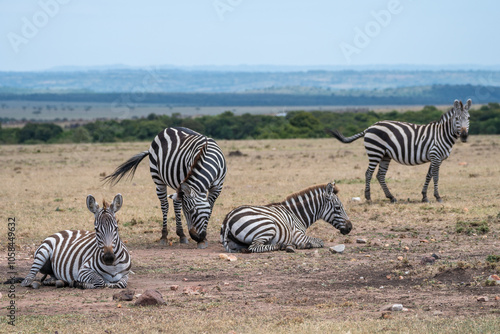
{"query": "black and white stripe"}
[(194, 166), (411, 144), (85, 259), (279, 225)]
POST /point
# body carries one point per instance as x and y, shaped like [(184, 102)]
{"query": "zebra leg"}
[(161, 192), (382, 170), (258, 246), (178, 222), (42, 260), (310, 242), (368, 179), (435, 174), (121, 284), (89, 279), (426, 185)]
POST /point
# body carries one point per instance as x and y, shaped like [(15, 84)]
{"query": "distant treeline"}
[(296, 124), (423, 95)]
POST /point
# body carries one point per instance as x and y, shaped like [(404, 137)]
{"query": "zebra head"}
[(462, 119), (106, 227), (197, 210), (333, 212)]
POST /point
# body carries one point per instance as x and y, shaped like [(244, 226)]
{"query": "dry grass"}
[(44, 187)]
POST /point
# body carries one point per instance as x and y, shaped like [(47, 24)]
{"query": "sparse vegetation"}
[(306, 291)]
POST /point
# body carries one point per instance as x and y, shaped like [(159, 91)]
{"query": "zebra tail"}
[(126, 168), (346, 140)]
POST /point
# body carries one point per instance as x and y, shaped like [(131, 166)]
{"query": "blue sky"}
[(37, 35)]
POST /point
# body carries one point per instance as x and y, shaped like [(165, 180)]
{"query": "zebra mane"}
[(447, 115), (105, 205), (195, 162), (305, 191)]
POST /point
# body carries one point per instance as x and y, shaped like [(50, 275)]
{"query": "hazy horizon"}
[(44, 34)]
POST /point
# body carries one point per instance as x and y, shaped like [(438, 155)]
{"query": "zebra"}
[(189, 162), (412, 144), (85, 259), (282, 225)]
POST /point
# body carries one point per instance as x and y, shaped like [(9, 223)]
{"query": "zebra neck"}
[(304, 208)]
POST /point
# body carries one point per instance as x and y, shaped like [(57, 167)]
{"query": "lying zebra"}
[(280, 225), (85, 259)]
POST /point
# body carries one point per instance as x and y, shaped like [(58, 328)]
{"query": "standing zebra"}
[(276, 226), (85, 259), (190, 163), (411, 144)]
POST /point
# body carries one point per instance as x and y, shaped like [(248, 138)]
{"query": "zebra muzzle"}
[(463, 135), (347, 228), (197, 237), (108, 256)]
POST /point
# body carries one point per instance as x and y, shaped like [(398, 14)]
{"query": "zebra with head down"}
[(85, 259), (280, 225), (194, 166)]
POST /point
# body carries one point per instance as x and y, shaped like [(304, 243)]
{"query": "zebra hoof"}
[(184, 240), (425, 200), (27, 282), (439, 200), (289, 249), (35, 285), (163, 242), (202, 245), (394, 200)]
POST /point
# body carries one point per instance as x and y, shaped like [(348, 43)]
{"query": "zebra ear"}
[(469, 103), (117, 203), (456, 105), (186, 190), (330, 190), (92, 204)]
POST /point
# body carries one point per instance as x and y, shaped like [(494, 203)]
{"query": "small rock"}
[(356, 199), (150, 297), (397, 307), (434, 255), (119, 305), (223, 256), (174, 287), (337, 249), (436, 313), (400, 258), (424, 241), (194, 290), (462, 163), (406, 248), (482, 299), (495, 279), (125, 295), (185, 279), (386, 315), (232, 258), (361, 241), (427, 260)]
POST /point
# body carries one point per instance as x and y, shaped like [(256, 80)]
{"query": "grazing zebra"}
[(277, 226), (190, 163), (85, 259), (411, 144)]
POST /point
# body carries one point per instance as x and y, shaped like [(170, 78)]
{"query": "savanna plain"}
[(315, 291)]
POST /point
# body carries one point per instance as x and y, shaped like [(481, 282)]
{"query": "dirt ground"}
[(281, 288)]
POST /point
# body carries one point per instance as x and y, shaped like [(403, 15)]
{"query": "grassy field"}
[(44, 187)]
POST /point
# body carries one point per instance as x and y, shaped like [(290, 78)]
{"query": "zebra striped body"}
[(276, 226), (192, 164), (82, 258), (411, 144)]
